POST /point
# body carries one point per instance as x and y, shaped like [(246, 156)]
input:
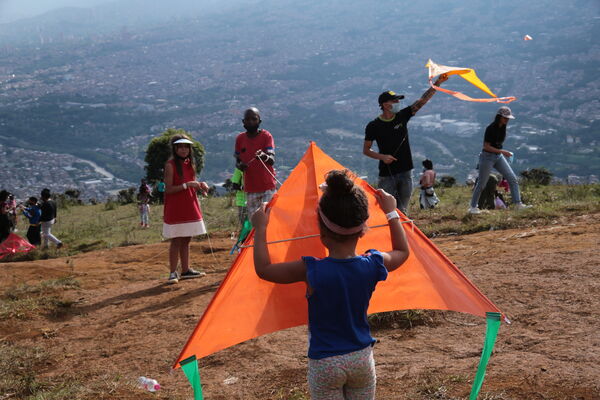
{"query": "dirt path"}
[(126, 323)]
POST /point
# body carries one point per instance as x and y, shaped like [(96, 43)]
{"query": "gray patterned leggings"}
[(346, 377)]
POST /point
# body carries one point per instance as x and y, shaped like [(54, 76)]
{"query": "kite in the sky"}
[(467, 74)]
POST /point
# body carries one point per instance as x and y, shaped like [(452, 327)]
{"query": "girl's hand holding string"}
[(204, 188), (201, 186), (260, 218), (284, 272), (386, 201), (400, 251)]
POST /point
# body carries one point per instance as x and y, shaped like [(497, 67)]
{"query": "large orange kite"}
[(245, 307)]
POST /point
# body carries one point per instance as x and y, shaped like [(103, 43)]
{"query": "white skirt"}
[(187, 229)]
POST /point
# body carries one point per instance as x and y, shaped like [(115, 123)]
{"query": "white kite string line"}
[(410, 221)]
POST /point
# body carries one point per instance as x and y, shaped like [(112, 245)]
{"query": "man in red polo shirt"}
[(255, 156)]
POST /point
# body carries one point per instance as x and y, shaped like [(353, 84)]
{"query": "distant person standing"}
[(5, 226), (33, 214), (48, 219), (147, 189), (255, 156), (390, 131), (493, 156), (428, 199), (160, 189), (143, 198), (237, 184), (12, 211), (182, 214)]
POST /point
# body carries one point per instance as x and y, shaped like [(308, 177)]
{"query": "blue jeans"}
[(487, 161), (400, 186)]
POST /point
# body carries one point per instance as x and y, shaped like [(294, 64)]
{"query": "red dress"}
[(182, 214)]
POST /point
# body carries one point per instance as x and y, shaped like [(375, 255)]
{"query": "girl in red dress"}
[(182, 214)]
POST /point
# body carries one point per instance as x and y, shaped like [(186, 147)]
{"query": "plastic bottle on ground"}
[(150, 385)]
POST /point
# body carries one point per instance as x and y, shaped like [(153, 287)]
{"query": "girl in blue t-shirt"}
[(339, 287)]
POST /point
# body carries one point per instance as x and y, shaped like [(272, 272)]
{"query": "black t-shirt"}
[(495, 135), (4, 226), (48, 210), (392, 138)]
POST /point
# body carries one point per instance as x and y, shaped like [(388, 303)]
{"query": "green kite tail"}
[(493, 324), (191, 371)]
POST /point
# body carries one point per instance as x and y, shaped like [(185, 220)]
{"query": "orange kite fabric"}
[(470, 76), (245, 307)]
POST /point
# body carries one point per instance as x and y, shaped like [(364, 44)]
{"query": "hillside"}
[(73, 85), (85, 327)]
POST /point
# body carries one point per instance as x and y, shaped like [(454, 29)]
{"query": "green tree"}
[(159, 151)]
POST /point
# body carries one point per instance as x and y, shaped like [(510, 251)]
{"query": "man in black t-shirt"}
[(48, 219), (390, 132)]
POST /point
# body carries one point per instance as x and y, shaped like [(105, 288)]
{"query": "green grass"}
[(102, 226), (20, 368), (291, 394), (27, 301), (549, 204), (94, 227), (403, 319), (17, 370)]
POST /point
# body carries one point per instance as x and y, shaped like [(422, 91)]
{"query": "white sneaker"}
[(521, 206), (474, 210), (173, 277)]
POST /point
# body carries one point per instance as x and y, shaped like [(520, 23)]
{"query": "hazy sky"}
[(11, 10)]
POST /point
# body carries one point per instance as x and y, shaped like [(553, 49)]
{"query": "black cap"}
[(389, 95)]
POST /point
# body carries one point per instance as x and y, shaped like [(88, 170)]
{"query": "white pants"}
[(47, 233)]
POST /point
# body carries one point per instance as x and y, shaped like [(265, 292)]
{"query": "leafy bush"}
[(126, 196), (537, 176), (110, 205), (447, 181)]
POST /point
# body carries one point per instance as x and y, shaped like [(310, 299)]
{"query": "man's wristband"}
[(392, 215), (184, 186)]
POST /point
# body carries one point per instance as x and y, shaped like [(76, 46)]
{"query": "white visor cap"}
[(183, 141)]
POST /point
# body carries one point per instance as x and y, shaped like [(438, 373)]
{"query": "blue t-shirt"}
[(33, 213), (337, 308)]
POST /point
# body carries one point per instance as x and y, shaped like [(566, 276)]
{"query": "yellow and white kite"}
[(467, 74)]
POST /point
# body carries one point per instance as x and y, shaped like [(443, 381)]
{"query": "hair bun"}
[(338, 182)]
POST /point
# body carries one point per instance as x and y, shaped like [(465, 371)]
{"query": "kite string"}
[(410, 221), (208, 237), (266, 168)]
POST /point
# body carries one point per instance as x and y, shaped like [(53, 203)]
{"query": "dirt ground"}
[(127, 322)]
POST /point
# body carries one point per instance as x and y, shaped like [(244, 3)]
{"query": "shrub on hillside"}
[(126, 196), (447, 181), (69, 198), (110, 204), (537, 176)]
